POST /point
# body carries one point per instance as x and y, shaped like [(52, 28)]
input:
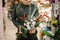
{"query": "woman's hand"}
[(20, 32), (32, 31)]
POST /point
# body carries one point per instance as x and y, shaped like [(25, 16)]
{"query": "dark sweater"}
[(19, 12)]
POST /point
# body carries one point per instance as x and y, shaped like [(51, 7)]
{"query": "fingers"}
[(32, 31), (20, 32)]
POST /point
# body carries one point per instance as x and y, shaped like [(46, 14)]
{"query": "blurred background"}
[(49, 11)]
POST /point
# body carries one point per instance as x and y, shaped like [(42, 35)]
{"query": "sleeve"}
[(15, 22), (36, 15)]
